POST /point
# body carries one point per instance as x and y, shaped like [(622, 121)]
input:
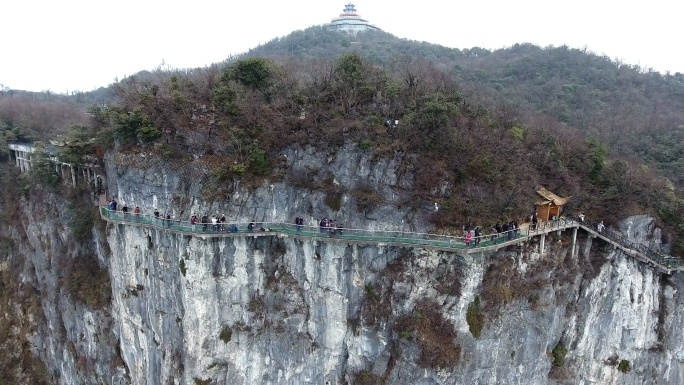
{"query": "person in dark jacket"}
[(205, 223)]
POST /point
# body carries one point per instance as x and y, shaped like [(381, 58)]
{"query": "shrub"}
[(43, 171), (87, 282), (366, 144), (367, 199), (434, 334), (559, 352), (365, 377), (624, 366), (251, 72), (226, 334), (370, 293), (181, 265), (256, 305), (533, 301), (148, 134), (334, 200), (82, 220), (475, 318), (259, 163)]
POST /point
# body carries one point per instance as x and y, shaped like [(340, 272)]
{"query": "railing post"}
[(574, 240)]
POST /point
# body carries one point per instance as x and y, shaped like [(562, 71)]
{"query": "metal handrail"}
[(262, 228), (386, 236), (658, 257)]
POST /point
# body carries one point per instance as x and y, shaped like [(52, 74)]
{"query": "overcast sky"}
[(67, 45)]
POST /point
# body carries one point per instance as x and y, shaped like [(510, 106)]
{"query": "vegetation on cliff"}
[(478, 130), (479, 159)]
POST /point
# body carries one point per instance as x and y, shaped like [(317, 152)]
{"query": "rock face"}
[(285, 310)]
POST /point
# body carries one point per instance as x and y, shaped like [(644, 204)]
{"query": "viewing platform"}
[(487, 243)]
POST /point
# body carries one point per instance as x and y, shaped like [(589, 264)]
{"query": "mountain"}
[(400, 142), (634, 111), (480, 129)]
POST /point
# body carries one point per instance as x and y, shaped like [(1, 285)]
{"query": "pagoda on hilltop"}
[(350, 21)]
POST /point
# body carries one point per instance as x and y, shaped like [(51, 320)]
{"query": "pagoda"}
[(350, 21)]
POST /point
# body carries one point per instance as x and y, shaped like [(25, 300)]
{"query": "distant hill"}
[(635, 111)]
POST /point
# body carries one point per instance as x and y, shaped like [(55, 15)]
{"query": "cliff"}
[(181, 309)]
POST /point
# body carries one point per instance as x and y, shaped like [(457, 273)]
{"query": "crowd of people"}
[(217, 223), (329, 226), (474, 236)]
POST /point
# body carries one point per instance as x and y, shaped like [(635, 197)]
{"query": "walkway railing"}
[(358, 235), (667, 261), (438, 241), (546, 226)]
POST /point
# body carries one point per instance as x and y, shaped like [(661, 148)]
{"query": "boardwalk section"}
[(24, 156), (487, 243), (358, 236)]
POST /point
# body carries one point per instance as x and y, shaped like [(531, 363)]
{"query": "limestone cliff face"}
[(285, 310)]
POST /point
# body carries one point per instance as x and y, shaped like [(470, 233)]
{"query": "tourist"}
[(168, 219), (124, 210), (600, 227), (136, 212), (468, 237), (222, 221), (477, 235), (299, 221), (193, 222), (516, 229), (323, 224), (534, 220), (205, 223), (331, 229)]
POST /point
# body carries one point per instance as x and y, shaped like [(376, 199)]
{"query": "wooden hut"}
[(551, 205)]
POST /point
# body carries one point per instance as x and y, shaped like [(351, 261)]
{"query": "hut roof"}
[(550, 197)]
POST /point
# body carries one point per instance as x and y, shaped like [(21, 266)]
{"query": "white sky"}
[(67, 45)]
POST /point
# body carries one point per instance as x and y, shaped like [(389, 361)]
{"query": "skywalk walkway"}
[(486, 243)]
